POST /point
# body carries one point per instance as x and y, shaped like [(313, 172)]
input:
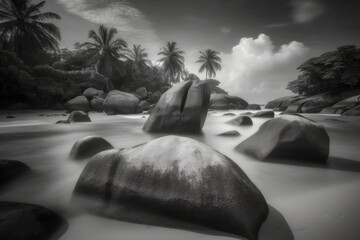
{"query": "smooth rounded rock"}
[(118, 102), (264, 114), (10, 170), (233, 133), (78, 116), (90, 93), (173, 181), (254, 107), (21, 221), (241, 121), (288, 137), (80, 103), (220, 101), (89, 146)]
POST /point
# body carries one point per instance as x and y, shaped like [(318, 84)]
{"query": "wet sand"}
[(307, 201)]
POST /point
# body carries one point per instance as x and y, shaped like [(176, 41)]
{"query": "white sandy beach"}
[(309, 202)]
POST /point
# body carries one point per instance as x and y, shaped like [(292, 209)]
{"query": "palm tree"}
[(105, 53), (211, 62), (138, 58), (172, 61), (24, 30)]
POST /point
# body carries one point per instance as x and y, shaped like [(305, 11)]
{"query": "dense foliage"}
[(172, 61), (41, 86), (23, 30), (337, 70)]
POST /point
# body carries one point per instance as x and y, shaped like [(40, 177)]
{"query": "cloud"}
[(225, 30), (306, 10), (131, 23), (258, 72)]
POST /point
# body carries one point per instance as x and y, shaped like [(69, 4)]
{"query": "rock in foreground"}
[(10, 170), (20, 221), (183, 108), (78, 116), (288, 136), (171, 181), (89, 146)]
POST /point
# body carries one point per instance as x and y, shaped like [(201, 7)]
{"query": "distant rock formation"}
[(80, 103), (21, 221), (118, 102), (343, 106), (89, 146), (221, 101), (183, 108), (288, 137), (170, 181), (254, 107)]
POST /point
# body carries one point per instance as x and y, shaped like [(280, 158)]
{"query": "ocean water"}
[(307, 201)]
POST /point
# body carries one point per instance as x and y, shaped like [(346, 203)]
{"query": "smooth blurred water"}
[(317, 202)]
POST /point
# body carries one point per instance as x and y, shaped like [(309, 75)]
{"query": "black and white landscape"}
[(202, 119)]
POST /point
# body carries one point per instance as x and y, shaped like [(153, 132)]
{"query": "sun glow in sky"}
[(261, 42)]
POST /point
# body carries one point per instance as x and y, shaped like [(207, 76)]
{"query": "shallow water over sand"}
[(317, 201)]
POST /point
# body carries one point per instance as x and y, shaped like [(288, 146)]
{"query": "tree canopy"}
[(210, 62), (338, 70)]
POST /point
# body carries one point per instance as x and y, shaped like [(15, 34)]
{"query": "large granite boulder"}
[(89, 146), (288, 137), (241, 121), (80, 103), (21, 221), (183, 108), (173, 181), (118, 102), (264, 114), (281, 104), (343, 106), (10, 170), (90, 93), (220, 101)]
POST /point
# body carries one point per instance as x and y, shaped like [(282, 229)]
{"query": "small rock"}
[(241, 121), (229, 114), (233, 133), (264, 114), (10, 170), (89, 146)]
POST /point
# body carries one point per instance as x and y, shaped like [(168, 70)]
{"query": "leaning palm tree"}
[(210, 62), (105, 53), (172, 61), (139, 59), (24, 30)]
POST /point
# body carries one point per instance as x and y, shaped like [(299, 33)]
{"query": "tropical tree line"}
[(26, 31)]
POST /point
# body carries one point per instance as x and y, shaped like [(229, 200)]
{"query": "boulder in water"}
[(264, 114), (229, 114), (78, 116), (173, 181), (343, 106), (80, 103), (281, 104), (145, 105), (254, 107), (233, 133), (220, 101), (288, 136), (118, 102), (183, 108), (21, 221), (241, 121), (10, 170), (89, 146), (97, 104), (355, 111)]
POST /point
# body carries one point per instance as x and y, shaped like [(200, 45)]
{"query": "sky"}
[(261, 42)]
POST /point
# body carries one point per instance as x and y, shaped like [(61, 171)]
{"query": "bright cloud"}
[(258, 72), (131, 24)]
